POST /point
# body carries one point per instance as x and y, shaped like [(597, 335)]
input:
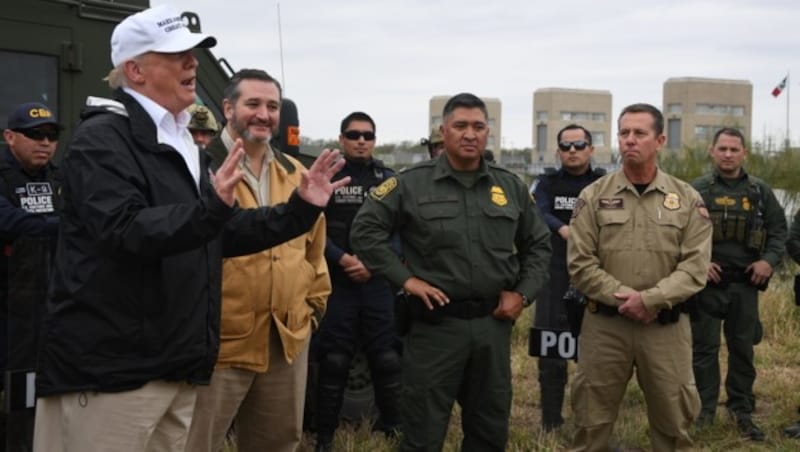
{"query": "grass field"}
[(776, 387)]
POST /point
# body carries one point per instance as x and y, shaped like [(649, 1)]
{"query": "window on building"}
[(675, 108), (598, 138), (541, 138), (598, 117), (541, 115), (673, 133), (720, 109)]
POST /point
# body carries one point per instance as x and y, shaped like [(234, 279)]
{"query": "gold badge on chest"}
[(498, 196), (672, 201)]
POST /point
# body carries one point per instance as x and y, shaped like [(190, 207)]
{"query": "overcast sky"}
[(388, 58)]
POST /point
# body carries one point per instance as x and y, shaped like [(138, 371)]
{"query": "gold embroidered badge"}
[(745, 203), (498, 196), (672, 201), (384, 189), (724, 201)]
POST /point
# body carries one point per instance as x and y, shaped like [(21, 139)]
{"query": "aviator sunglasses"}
[(579, 145), (39, 134), (355, 134)]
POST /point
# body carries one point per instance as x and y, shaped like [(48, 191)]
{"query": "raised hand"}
[(315, 183)]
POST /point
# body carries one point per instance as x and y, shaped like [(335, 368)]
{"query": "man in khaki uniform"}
[(639, 247)]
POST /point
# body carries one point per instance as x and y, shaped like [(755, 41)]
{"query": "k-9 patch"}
[(36, 197)]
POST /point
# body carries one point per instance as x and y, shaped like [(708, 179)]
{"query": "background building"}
[(554, 108), (493, 107), (695, 108)]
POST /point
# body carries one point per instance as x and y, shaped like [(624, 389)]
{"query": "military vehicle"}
[(57, 52)]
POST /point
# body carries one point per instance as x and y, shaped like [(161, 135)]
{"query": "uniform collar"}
[(442, 169), (659, 183)]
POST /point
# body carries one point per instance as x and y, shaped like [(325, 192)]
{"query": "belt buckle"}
[(591, 306)]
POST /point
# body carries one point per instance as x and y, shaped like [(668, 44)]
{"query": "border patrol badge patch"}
[(745, 203), (498, 196), (672, 201), (702, 210), (384, 189)]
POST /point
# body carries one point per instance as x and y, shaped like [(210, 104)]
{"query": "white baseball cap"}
[(158, 29)]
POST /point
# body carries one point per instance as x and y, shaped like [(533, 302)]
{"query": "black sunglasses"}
[(579, 145), (39, 134), (355, 134)]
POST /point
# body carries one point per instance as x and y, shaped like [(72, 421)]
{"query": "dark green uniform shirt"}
[(754, 200), (469, 234)]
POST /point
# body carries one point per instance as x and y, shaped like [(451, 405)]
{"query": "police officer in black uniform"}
[(28, 226), (555, 195), (360, 308)]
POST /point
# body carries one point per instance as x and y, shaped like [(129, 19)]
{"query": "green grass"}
[(777, 391)]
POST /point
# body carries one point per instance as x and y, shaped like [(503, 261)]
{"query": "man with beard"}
[(271, 300)]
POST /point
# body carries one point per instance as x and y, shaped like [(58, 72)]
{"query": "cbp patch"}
[(701, 209), (384, 189), (498, 196)]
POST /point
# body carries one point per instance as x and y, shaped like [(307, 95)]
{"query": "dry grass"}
[(776, 387)]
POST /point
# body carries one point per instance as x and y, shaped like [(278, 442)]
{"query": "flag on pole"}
[(781, 86)]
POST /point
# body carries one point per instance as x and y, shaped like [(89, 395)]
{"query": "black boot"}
[(385, 370), (330, 393)]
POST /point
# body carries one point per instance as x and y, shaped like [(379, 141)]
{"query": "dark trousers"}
[(463, 360), (735, 311), (357, 315)]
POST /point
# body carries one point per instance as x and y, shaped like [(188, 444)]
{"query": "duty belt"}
[(665, 316), (466, 309)]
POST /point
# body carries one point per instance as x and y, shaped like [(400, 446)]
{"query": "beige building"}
[(555, 108), (696, 108), (493, 107)]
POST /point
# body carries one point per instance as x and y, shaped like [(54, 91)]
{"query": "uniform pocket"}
[(615, 229), (441, 216)]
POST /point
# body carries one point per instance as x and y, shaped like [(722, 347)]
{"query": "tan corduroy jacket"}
[(286, 286)]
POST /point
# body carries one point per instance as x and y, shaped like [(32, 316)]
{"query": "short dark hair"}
[(356, 116), (728, 131), (464, 100), (658, 118), (232, 91), (586, 133)]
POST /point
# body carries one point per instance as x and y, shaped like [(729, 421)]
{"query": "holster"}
[(669, 316), (797, 290), (575, 304), (402, 313)]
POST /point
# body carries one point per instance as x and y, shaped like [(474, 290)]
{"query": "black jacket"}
[(135, 295)]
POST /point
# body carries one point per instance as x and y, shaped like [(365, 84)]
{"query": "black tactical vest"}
[(346, 201), (737, 214)]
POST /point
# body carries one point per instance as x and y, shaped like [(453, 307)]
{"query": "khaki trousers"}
[(609, 349), (155, 417), (267, 407)]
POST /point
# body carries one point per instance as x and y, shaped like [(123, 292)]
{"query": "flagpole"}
[(788, 84)]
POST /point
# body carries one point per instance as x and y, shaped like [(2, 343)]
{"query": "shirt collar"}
[(160, 116)]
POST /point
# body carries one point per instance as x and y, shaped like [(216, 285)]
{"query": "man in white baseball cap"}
[(132, 322)]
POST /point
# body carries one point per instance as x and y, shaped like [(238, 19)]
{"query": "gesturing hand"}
[(229, 174), (315, 183)]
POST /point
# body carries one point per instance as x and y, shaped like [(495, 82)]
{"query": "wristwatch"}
[(525, 301)]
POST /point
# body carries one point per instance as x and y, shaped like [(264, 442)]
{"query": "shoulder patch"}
[(384, 189), (702, 210), (579, 205)]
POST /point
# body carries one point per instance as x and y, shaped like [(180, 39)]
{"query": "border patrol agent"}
[(640, 244), (434, 142), (556, 194), (749, 239), (202, 125), (476, 249), (793, 250)]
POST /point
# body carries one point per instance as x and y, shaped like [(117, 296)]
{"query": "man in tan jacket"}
[(270, 300)]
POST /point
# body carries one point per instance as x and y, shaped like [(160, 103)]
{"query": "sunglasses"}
[(579, 145), (38, 134), (355, 134)]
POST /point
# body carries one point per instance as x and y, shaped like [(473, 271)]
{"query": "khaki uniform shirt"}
[(657, 243), (471, 240)]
